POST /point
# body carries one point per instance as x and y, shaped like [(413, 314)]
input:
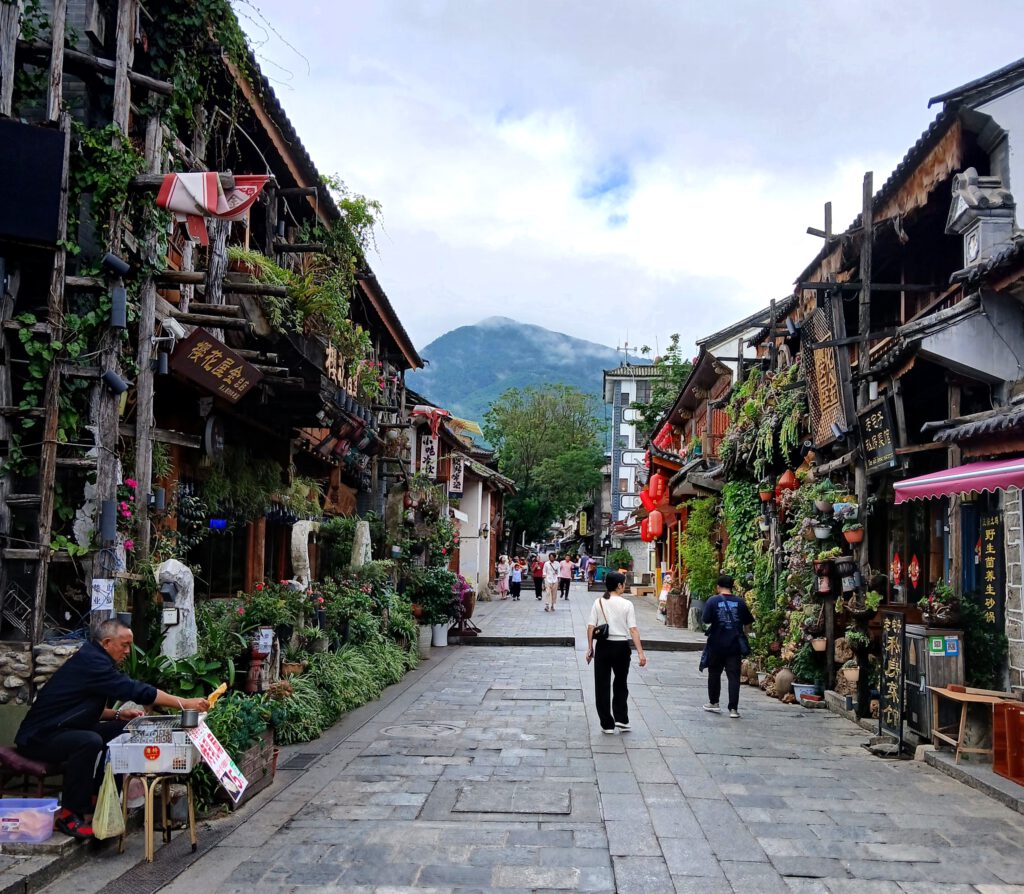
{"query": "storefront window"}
[(221, 562)]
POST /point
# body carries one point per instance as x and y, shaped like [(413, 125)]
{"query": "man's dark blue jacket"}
[(77, 694)]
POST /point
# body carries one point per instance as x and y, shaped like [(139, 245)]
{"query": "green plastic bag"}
[(108, 820)]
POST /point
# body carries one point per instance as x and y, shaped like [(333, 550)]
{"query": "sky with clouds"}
[(608, 169)]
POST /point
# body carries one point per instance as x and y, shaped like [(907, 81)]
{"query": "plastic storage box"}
[(27, 819), (178, 755)]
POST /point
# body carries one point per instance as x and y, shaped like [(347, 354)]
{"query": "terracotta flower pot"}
[(851, 674), (819, 644), (417, 611), (766, 495), (853, 536)]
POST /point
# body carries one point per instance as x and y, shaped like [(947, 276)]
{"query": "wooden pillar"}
[(144, 386), (55, 90), (953, 458), (10, 27), (124, 41)]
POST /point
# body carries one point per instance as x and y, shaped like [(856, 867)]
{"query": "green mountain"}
[(472, 366)]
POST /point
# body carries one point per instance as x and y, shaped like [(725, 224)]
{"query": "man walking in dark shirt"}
[(727, 615)]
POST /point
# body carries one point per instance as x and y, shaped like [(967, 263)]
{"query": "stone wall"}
[(15, 673), (49, 657), (1014, 548)]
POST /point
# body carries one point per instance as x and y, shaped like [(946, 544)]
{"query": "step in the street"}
[(561, 641)]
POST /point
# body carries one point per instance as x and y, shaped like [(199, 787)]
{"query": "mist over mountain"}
[(472, 366)]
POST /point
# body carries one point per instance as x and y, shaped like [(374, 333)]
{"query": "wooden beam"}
[(920, 448), (78, 61), (55, 90), (153, 182), (217, 310), (90, 283), (875, 286), (254, 288), (289, 191), (164, 436), (10, 25), (210, 321), (299, 247)]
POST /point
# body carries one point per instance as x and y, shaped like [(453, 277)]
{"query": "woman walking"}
[(503, 570), (565, 570), (537, 573), (515, 578), (612, 653)]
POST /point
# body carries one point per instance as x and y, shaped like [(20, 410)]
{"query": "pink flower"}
[(124, 505), (320, 600), (444, 550), (241, 610), (131, 482), (284, 583), (259, 586), (129, 545)]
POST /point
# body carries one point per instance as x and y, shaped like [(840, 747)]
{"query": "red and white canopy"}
[(970, 478)]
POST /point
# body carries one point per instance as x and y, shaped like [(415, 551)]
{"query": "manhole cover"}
[(843, 750), (425, 730), (302, 760)]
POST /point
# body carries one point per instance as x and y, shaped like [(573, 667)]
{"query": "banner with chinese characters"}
[(428, 456), (890, 690), (219, 761), (992, 570), (457, 476), (876, 431), (212, 365)]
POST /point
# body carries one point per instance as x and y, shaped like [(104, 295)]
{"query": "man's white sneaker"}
[(714, 709), (608, 732), (734, 714), (623, 726)]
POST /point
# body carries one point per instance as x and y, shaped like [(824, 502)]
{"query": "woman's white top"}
[(620, 614)]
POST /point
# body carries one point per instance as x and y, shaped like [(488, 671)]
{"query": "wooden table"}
[(965, 700)]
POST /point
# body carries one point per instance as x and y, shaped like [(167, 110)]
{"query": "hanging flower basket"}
[(819, 644), (766, 495), (823, 506), (942, 616), (823, 532), (854, 535), (851, 674)]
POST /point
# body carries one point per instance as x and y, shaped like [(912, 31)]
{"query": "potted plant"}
[(622, 559), (853, 531), (857, 639), (765, 491), (822, 530), (941, 607), (314, 638), (819, 643), (851, 670)]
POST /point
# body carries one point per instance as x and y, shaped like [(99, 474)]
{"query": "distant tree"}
[(673, 370), (547, 441)]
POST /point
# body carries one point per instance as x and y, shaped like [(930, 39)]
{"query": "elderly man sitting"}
[(69, 723)]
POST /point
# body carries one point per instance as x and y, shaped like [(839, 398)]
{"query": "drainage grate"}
[(303, 760), (421, 730)]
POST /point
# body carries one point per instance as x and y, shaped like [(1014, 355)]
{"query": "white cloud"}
[(489, 130)]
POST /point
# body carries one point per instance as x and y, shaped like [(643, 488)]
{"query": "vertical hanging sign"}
[(428, 456), (457, 475), (993, 570), (891, 695)]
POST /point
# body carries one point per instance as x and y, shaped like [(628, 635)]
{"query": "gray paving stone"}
[(685, 884), (641, 875), (758, 877), (631, 839), (533, 877)]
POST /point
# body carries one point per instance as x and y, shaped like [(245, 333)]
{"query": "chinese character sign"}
[(890, 690), (876, 432), (992, 569), (456, 480), (428, 455), (209, 363)]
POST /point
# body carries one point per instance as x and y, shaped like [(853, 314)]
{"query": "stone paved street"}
[(490, 773)]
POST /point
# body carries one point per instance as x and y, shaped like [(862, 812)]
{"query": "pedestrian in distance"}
[(726, 614), (537, 573), (611, 654), (515, 578), (565, 570), (502, 574), (550, 583)]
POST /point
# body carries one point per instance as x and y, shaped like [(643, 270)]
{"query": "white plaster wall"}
[(1014, 614), (469, 539), (1008, 112)]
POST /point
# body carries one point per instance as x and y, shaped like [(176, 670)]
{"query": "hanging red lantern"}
[(788, 481), (647, 500), (655, 524), (645, 531), (657, 487)]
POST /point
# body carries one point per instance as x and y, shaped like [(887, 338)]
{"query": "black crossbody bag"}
[(601, 630)]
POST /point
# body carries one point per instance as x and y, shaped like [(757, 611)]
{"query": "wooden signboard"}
[(878, 439), (992, 570), (213, 366), (891, 705), (457, 475), (428, 456)]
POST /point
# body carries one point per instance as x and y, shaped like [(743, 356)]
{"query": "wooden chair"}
[(22, 776)]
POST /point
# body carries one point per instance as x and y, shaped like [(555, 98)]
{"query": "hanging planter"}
[(854, 535), (822, 567), (766, 494), (823, 532), (819, 644), (851, 674), (824, 506)]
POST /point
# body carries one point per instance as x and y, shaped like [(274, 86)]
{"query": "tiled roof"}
[(637, 370), (991, 422), (782, 309), (1000, 260)]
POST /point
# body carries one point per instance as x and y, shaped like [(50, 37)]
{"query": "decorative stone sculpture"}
[(181, 640), (300, 551), (362, 551)]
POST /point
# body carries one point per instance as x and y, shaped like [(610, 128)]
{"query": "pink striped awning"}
[(971, 478)]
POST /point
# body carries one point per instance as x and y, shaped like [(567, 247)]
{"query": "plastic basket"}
[(27, 819), (177, 756)]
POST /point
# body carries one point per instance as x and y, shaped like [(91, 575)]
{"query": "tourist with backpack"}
[(726, 615)]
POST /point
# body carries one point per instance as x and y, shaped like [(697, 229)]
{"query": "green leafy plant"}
[(857, 639), (873, 600), (985, 646), (699, 553), (620, 558)]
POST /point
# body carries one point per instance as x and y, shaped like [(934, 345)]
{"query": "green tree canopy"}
[(548, 442), (673, 371)]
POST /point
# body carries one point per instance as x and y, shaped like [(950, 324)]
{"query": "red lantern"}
[(647, 500), (645, 531), (657, 486), (655, 524)]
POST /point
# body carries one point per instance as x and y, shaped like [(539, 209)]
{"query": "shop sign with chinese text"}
[(877, 437), (992, 570), (219, 761), (890, 690), (457, 476), (212, 365), (428, 455)]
